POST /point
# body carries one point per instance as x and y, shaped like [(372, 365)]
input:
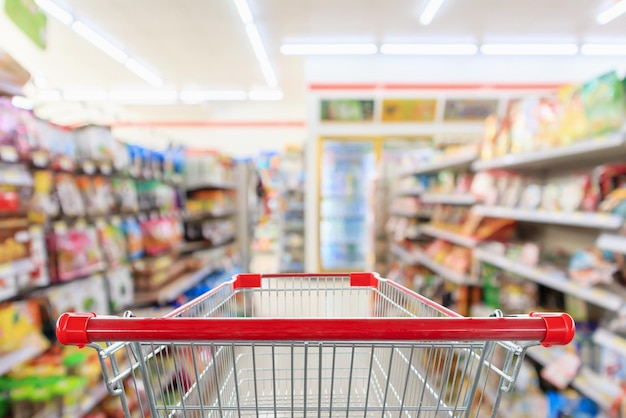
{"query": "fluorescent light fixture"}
[(144, 96), (430, 11), (49, 95), (612, 13), (429, 49), (244, 11), (22, 102), (529, 49), (200, 96), (84, 95), (144, 72), (265, 95), (98, 41), (328, 49), (256, 42), (268, 73), (603, 49), (261, 55), (55, 11)]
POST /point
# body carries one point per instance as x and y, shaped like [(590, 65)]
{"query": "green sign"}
[(29, 18)]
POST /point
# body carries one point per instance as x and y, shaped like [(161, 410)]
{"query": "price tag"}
[(8, 153)]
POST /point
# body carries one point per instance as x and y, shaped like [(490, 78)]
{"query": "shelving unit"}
[(418, 257), (604, 298), (587, 382), (408, 214), (449, 199), (413, 191), (26, 353), (449, 236), (590, 151), (610, 242), (576, 219), (94, 397), (605, 338), (456, 162)]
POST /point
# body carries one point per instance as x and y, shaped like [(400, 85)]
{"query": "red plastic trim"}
[(363, 279), (247, 281), (72, 328), (546, 329), (560, 328)]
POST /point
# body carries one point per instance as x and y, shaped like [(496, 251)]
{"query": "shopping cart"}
[(312, 345)]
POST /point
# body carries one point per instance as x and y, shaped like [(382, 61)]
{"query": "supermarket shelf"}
[(452, 237), (402, 254), (455, 162), (610, 242), (600, 297), (413, 191), (595, 387), (408, 213), (444, 272), (210, 215), (172, 290), (214, 185), (449, 199), (94, 397), (579, 219), (418, 257), (607, 339), (190, 246), (589, 151), (28, 352)]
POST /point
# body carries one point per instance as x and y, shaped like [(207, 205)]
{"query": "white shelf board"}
[(12, 359), (449, 199), (412, 191), (587, 382), (607, 339), (402, 254), (560, 282), (94, 397), (611, 242), (407, 213), (444, 272), (578, 219), (455, 162), (452, 237), (607, 148), (172, 290)]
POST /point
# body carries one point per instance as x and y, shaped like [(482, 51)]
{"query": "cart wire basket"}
[(301, 345)]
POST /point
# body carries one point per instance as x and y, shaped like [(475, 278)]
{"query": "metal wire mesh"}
[(298, 379)]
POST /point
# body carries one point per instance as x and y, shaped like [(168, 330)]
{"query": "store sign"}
[(346, 110), (409, 110), (469, 110), (29, 18)]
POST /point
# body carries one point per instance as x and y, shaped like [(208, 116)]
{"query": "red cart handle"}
[(547, 328)]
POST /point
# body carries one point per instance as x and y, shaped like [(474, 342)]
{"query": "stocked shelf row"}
[(418, 257)]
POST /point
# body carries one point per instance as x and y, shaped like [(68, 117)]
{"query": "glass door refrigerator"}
[(347, 175)]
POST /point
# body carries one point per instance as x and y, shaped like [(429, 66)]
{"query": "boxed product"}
[(120, 289)]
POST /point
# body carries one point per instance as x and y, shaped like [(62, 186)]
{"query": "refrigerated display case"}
[(347, 172)]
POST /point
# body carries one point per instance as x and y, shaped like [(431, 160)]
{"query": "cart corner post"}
[(560, 328), (72, 328)]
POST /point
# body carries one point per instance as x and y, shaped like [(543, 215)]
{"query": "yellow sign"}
[(409, 110)]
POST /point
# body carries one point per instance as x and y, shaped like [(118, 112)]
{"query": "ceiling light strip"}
[(243, 8), (430, 11), (612, 13), (99, 41), (329, 49), (200, 96), (429, 49), (55, 11), (529, 49), (603, 49)]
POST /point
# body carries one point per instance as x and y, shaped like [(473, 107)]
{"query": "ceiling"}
[(203, 43)]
